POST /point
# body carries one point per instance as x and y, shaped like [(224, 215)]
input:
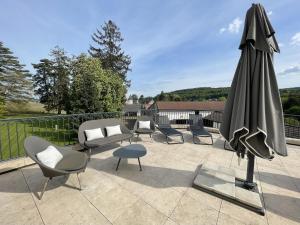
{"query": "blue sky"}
[(173, 44)]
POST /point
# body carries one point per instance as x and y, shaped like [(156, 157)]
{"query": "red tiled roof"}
[(207, 105)]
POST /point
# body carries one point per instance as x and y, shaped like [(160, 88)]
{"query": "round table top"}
[(130, 151)]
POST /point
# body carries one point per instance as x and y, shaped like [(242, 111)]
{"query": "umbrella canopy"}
[(253, 118)]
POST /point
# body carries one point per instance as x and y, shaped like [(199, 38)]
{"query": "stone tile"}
[(287, 207), (162, 199), (140, 213), (114, 202), (190, 211), (242, 214), (204, 198), (170, 222), (15, 199), (224, 219)]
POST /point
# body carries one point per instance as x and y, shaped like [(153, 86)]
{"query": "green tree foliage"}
[(134, 98), (108, 50), (61, 81), (43, 82), (142, 99), (2, 105), (15, 84), (52, 81), (95, 89)]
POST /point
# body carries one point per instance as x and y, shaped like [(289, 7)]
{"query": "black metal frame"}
[(198, 136)]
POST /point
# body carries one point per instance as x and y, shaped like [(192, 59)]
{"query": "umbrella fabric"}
[(253, 118)]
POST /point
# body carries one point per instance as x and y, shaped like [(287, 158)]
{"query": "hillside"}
[(290, 96), (209, 93)]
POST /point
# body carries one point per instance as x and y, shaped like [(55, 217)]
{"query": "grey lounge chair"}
[(165, 128), (197, 128), (72, 161), (102, 123), (139, 131)]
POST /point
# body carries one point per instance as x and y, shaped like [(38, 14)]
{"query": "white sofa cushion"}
[(113, 130), (93, 134), (50, 156), (144, 124)]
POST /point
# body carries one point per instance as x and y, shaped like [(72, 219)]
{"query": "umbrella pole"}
[(249, 184)]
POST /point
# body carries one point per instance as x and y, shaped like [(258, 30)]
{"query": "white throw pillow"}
[(93, 134), (50, 156), (144, 124), (113, 130)]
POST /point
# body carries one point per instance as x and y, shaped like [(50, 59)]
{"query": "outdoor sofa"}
[(106, 140), (71, 161), (164, 126), (197, 128)]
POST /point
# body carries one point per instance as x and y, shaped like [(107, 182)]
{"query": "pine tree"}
[(109, 50), (15, 84), (43, 82), (61, 81), (52, 81)]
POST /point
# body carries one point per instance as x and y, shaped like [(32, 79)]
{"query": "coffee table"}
[(130, 151)]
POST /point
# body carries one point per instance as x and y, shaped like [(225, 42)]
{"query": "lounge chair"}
[(165, 128), (102, 123), (137, 130), (71, 162), (197, 128)]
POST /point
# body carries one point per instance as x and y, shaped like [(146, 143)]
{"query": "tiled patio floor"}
[(160, 194)]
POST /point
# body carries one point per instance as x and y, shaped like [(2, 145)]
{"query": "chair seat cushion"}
[(143, 131), (50, 156), (107, 140), (72, 160)]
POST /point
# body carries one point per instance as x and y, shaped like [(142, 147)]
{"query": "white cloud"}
[(269, 13), (295, 40), (292, 70), (233, 27), (222, 30), (280, 44)]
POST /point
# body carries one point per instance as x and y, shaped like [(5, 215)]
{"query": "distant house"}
[(132, 109), (179, 112)]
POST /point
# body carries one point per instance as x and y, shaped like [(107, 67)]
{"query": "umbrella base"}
[(226, 183)]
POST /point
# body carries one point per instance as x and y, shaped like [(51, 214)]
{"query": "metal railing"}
[(62, 129), (292, 126)]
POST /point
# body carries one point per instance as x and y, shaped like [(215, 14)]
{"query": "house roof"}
[(181, 105), (132, 107)]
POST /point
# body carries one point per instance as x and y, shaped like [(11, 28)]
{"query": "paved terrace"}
[(160, 194)]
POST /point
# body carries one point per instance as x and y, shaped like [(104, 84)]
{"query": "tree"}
[(2, 105), (43, 82), (15, 84), (95, 89), (141, 99), (162, 97), (134, 98), (52, 80), (61, 66), (108, 50)]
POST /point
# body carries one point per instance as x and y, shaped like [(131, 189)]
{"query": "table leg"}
[(140, 164), (118, 164)]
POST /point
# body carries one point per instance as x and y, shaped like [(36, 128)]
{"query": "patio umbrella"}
[(253, 118)]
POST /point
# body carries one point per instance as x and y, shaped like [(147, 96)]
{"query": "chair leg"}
[(78, 181), (137, 136), (212, 140), (130, 140), (182, 138), (44, 188)]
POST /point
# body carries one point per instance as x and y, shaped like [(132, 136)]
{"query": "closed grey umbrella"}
[(253, 118)]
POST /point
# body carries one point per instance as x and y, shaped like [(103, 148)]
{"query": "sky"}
[(174, 44)]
